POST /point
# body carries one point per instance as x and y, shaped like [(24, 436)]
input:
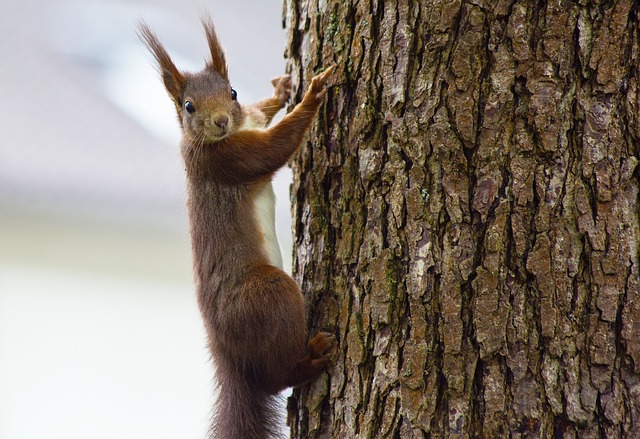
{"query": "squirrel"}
[(253, 312)]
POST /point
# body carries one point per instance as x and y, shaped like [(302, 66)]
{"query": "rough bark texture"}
[(467, 220)]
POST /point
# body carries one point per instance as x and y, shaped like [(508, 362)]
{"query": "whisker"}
[(198, 143)]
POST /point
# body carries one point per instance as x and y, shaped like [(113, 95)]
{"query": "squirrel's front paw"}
[(319, 82), (282, 85)]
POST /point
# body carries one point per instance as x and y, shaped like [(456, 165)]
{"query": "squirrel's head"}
[(205, 102)]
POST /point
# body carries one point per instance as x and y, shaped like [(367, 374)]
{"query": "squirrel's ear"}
[(173, 79), (218, 62)]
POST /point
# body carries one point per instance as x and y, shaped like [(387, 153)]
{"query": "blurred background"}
[(100, 335)]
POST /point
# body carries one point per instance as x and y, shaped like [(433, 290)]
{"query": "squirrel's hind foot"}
[(320, 345), (315, 359)]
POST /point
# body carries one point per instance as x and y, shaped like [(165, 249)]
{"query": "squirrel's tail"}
[(244, 412)]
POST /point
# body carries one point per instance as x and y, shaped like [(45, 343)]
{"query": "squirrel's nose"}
[(221, 120)]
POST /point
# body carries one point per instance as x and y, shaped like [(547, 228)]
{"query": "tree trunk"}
[(466, 218)]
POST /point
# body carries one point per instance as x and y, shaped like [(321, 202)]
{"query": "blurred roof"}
[(85, 125)]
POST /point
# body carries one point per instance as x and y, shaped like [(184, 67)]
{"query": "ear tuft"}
[(218, 62), (173, 79)]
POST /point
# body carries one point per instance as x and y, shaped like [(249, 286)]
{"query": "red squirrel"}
[(254, 313)]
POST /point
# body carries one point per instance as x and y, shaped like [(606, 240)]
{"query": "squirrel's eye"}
[(189, 107), (234, 94)]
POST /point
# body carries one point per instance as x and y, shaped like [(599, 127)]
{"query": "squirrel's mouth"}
[(215, 135)]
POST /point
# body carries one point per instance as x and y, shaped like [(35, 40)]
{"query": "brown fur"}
[(253, 312)]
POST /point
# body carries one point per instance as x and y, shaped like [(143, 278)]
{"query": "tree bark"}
[(466, 216)]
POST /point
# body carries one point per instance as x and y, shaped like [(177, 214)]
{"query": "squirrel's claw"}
[(280, 79), (319, 82)]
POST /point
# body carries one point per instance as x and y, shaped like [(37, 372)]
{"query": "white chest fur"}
[(264, 207)]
